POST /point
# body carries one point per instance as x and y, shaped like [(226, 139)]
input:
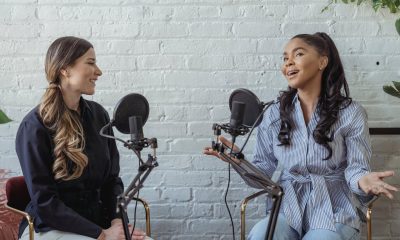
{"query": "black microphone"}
[(237, 114), (136, 128)]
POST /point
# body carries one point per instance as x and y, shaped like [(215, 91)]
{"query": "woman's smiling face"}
[(302, 64)]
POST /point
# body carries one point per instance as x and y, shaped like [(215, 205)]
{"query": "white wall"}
[(186, 56)]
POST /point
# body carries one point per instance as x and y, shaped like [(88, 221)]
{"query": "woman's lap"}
[(284, 232)]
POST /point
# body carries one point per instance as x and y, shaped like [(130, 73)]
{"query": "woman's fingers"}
[(228, 143), (390, 187), (385, 174), (386, 192)]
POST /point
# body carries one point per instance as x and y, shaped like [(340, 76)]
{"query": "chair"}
[(364, 218), (18, 198), (147, 212)]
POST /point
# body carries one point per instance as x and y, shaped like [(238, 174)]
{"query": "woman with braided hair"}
[(315, 140), (70, 170)]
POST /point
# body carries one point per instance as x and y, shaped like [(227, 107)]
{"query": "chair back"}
[(17, 193)]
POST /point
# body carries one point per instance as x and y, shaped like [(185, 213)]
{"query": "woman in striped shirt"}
[(318, 139)]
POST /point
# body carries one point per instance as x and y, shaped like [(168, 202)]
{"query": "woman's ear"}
[(323, 62), (65, 73)]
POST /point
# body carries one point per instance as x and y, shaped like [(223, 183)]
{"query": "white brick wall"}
[(186, 56)]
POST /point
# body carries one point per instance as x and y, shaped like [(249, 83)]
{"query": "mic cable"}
[(226, 194)]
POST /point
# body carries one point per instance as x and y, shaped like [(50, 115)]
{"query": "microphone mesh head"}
[(253, 105), (131, 105)]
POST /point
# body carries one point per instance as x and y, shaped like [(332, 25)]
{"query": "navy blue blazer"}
[(85, 205)]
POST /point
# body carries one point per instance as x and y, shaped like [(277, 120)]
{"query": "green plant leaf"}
[(397, 24), (4, 118), (396, 85), (345, 1), (391, 91), (376, 4), (359, 2), (392, 6)]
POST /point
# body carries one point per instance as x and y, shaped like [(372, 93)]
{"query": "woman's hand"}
[(373, 183), (116, 232), (226, 142)]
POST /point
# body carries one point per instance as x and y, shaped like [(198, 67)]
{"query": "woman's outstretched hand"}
[(373, 183), (226, 142)]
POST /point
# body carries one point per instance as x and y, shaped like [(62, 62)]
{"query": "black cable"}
[(267, 105), (226, 194)]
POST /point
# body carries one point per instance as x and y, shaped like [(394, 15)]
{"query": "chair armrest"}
[(243, 211), (147, 211)]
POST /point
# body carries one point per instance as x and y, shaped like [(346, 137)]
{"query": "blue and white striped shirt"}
[(318, 193)]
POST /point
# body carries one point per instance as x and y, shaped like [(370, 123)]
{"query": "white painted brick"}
[(231, 11), (115, 30), (164, 30), (208, 12), (160, 62), (57, 29), (5, 12), (47, 12), (381, 45), (265, 11), (192, 179), (177, 194), (174, 162), (353, 28), (202, 129), (211, 63), (166, 130), (19, 31), (257, 29), (24, 13), (210, 29), (292, 29)]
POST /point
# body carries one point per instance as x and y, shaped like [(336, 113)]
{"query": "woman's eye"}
[(285, 59), (299, 54)]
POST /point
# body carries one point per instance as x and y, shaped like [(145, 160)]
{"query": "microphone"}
[(130, 115), (136, 128), (246, 114), (237, 114)]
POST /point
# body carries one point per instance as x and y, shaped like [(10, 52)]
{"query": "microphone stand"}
[(246, 170), (144, 170)]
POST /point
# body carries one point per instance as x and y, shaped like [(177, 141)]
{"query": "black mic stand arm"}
[(144, 170)]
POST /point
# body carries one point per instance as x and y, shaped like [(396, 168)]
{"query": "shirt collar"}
[(84, 106)]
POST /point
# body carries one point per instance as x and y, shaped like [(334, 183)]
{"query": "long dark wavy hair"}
[(334, 93)]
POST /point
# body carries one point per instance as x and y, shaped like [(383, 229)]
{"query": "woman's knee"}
[(283, 231)]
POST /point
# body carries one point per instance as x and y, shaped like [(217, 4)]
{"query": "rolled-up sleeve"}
[(358, 152)]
